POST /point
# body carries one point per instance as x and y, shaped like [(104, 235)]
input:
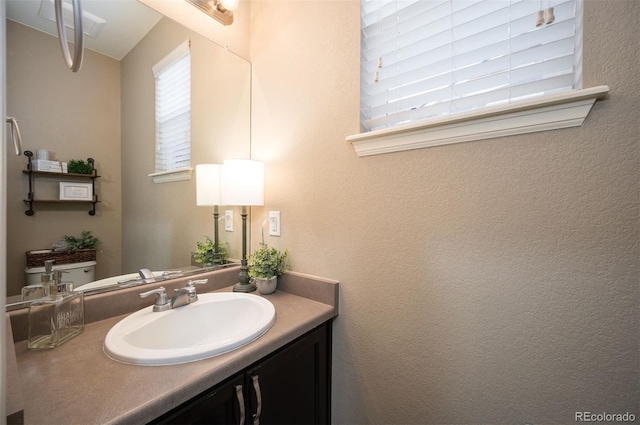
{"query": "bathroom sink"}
[(217, 323)]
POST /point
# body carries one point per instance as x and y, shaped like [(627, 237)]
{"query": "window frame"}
[(182, 173), (561, 110)]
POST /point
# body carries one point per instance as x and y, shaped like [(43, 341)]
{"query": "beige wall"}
[(484, 282), (76, 116), (161, 222)]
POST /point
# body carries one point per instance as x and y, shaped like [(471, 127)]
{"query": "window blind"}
[(173, 110), (429, 58)]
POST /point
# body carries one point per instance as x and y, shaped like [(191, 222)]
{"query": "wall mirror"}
[(106, 112)]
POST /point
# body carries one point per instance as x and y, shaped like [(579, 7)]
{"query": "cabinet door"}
[(224, 404), (292, 386)]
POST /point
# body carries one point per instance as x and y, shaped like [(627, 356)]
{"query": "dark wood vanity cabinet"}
[(290, 386), (294, 384), (219, 405)]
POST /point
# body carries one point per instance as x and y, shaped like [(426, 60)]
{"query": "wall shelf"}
[(34, 174)]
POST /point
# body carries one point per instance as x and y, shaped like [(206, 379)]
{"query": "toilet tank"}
[(78, 273)]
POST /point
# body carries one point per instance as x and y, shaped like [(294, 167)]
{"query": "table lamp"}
[(243, 185), (208, 193)]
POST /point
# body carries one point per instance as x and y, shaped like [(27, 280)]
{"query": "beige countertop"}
[(76, 383)]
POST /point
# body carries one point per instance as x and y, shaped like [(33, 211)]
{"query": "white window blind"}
[(422, 59), (173, 109)]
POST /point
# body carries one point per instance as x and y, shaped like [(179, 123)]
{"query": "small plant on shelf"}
[(79, 166), (205, 254), (267, 262), (85, 241)]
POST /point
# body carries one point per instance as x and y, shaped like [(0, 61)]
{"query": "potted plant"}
[(265, 265), (79, 166), (85, 241), (206, 252)]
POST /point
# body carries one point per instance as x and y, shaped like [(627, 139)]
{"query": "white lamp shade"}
[(242, 182), (208, 180)]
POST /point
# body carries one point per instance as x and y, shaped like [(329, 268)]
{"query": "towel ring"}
[(75, 63)]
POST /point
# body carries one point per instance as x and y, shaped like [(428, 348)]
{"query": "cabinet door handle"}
[(240, 398), (256, 387)]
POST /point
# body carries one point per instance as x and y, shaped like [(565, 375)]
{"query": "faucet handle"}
[(191, 290), (162, 301), (197, 282)]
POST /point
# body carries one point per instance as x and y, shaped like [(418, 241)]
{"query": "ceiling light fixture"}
[(220, 10)]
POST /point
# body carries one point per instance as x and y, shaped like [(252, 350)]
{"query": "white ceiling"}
[(127, 22)]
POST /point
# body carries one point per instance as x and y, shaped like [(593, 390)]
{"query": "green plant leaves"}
[(85, 241), (206, 251), (267, 262), (79, 166)]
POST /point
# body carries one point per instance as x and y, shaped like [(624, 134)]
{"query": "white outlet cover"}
[(274, 223), (228, 220)]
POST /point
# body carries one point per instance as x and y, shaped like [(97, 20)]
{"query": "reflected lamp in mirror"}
[(208, 193), (243, 185), (220, 10)]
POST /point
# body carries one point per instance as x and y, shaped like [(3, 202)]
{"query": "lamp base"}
[(244, 287)]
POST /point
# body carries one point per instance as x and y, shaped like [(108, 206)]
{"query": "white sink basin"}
[(217, 323)]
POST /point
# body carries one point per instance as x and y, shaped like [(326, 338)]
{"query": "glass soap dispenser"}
[(39, 290), (56, 318)]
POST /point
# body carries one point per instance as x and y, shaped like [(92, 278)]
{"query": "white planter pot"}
[(266, 286)]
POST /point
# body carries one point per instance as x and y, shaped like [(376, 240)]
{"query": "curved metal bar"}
[(75, 63), (15, 135)]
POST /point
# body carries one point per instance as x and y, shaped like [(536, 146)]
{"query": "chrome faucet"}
[(145, 274), (186, 295), (181, 297)]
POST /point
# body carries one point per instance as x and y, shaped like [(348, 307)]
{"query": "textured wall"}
[(483, 282), (75, 116)]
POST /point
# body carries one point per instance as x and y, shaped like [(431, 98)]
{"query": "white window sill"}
[(552, 112), (172, 176)]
